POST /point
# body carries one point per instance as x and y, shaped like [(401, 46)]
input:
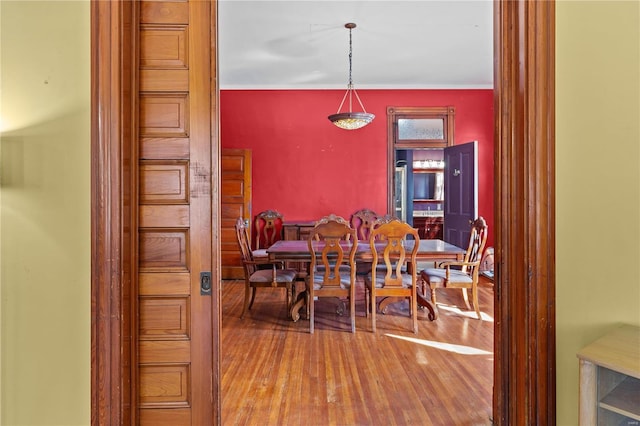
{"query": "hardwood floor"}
[(275, 373)]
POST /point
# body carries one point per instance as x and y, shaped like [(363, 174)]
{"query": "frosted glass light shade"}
[(351, 120)]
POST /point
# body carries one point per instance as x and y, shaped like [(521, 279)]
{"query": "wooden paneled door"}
[(235, 202), (174, 329), (460, 192)]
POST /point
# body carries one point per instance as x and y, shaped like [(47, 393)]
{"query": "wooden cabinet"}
[(297, 230), (610, 379), (429, 228)]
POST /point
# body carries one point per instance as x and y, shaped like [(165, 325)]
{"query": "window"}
[(420, 127)]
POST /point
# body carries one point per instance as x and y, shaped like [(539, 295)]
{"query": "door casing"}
[(524, 366)]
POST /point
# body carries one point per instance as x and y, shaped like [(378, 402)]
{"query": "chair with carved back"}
[(332, 244), (274, 277), (331, 218), (362, 221), (389, 276), (268, 229), (459, 274)]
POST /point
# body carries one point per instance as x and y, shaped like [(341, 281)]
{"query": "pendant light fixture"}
[(351, 120)]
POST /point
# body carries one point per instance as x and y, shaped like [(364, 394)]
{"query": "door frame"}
[(394, 113), (524, 94)]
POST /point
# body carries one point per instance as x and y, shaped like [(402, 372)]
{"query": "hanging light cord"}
[(350, 88), (350, 57)]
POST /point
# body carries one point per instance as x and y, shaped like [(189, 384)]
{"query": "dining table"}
[(429, 250)]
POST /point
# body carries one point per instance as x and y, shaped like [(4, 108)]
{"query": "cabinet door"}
[(290, 232), (429, 228)]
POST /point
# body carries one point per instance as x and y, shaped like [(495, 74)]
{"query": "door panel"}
[(163, 216), (460, 192), (164, 114), (235, 202), (164, 182), (158, 148), (163, 249), (174, 328), (176, 416)]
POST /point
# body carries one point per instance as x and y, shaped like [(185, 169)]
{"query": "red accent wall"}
[(306, 168)]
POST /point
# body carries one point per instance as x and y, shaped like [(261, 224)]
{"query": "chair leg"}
[(433, 295), (307, 304), (372, 296), (352, 309), (474, 297), (248, 300), (366, 301), (466, 298), (289, 298), (253, 296), (310, 309), (414, 312), (293, 294)]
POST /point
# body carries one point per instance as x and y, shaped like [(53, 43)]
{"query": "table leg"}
[(433, 309), (386, 301), (299, 304), (421, 300)]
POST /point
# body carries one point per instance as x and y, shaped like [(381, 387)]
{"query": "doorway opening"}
[(524, 51)]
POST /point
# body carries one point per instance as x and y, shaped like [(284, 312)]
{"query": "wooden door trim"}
[(524, 49), (447, 113), (111, 239), (525, 204)]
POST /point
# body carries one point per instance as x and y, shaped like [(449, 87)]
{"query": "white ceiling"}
[(303, 44)]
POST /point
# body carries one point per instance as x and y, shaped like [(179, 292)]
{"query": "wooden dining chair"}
[(268, 229), (331, 218), (393, 278), (362, 221), (256, 275), (332, 272), (458, 274)]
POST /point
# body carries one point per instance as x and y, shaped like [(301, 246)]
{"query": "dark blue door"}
[(460, 192)]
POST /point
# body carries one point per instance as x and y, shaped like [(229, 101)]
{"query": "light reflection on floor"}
[(469, 314), (450, 347)]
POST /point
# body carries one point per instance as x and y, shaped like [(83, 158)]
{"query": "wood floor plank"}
[(275, 373)]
